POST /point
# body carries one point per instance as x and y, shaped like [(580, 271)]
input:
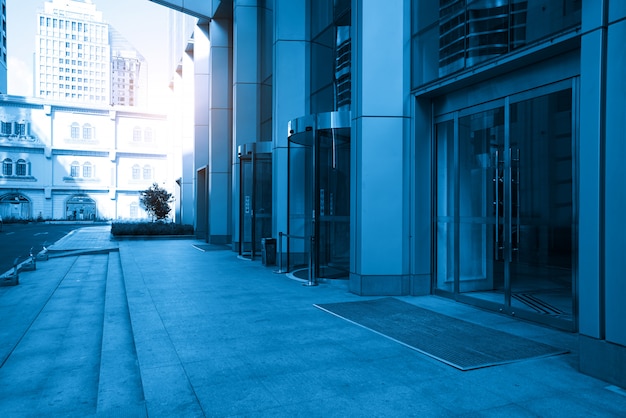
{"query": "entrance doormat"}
[(458, 343)]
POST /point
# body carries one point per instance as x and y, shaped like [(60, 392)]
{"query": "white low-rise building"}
[(77, 162)]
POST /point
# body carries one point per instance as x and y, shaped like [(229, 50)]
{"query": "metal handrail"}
[(280, 250), (312, 280)]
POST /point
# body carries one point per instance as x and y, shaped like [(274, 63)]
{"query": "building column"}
[(290, 95), (380, 169), (602, 265), (201, 127), (186, 102), (219, 131), (246, 93)]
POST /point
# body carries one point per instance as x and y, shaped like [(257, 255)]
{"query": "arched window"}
[(75, 131), (7, 167), (136, 172), (75, 169), (136, 134), (148, 135), (87, 170), (21, 168), (147, 172), (87, 131)]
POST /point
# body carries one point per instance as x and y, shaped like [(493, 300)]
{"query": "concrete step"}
[(166, 386), (120, 391), (54, 364)]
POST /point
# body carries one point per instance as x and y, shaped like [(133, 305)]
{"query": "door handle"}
[(515, 191), (497, 204)]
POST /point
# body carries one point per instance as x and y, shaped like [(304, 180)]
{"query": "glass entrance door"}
[(255, 198), (504, 208), (319, 196)]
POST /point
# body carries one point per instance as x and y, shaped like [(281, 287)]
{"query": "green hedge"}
[(150, 228)]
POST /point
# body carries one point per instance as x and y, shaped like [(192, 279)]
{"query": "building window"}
[(136, 134), (87, 132), (20, 129), (75, 169), (75, 130), (454, 35), (136, 172), (147, 172), (134, 210), (20, 168), (6, 128), (7, 167), (87, 170), (148, 135)]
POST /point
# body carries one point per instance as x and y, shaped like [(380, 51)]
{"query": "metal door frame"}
[(454, 116)]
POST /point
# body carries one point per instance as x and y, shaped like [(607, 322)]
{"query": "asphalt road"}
[(16, 240)]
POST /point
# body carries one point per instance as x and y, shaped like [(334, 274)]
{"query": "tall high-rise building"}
[(80, 58), (72, 55), (3, 50), (128, 72)]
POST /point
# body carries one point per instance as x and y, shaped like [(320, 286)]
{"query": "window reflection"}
[(453, 35), (331, 45)]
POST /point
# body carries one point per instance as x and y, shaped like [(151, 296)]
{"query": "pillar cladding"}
[(187, 147), (246, 91), (380, 172), (601, 287), (290, 94), (220, 131)]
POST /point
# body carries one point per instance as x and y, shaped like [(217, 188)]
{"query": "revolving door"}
[(255, 199), (318, 238)]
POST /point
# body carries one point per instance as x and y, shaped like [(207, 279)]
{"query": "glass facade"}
[(266, 47), (455, 35), (331, 81)]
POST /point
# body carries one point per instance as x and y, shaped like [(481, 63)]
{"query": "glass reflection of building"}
[(474, 31)]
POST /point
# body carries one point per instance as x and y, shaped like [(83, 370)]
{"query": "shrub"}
[(150, 228), (156, 201)]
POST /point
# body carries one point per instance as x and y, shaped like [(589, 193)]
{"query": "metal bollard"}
[(312, 279), (31, 263), (280, 254), (16, 274)]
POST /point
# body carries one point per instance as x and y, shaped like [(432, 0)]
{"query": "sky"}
[(143, 23)]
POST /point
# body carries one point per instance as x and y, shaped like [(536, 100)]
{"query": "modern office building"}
[(63, 162), (81, 59), (471, 149), (3, 50), (72, 53)]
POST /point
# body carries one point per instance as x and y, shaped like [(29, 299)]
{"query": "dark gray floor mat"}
[(458, 343)]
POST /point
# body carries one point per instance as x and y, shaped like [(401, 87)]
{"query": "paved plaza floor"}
[(165, 328)]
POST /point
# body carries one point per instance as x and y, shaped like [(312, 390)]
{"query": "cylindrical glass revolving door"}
[(318, 235)]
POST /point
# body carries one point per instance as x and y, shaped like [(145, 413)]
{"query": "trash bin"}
[(268, 251)]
